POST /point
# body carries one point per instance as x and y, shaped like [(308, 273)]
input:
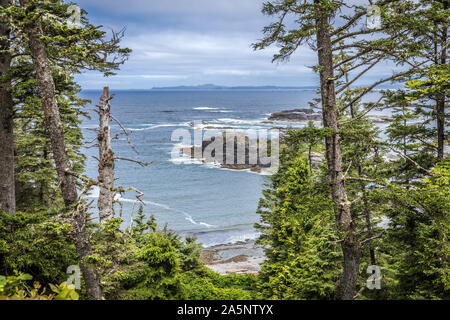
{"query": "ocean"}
[(218, 206)]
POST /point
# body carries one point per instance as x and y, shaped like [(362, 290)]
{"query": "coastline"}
[(237, 258), (246, 257)]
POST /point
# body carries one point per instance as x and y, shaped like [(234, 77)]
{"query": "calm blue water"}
[(216, 205)]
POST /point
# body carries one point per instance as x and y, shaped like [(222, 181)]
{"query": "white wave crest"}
[(205, 108), (233, 239), (95, 192), (162, 125)]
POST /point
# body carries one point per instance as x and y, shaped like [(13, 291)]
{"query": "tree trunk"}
[(440, 103), (310, 158), (54, 128), (7, 180), (106, 165), (367, 215), (346, 289)]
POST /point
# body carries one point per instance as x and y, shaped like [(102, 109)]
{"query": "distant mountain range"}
[(214, 87)]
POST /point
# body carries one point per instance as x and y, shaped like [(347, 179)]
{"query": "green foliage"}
[(436, 81), (158, 277), (36, 244), (9, 285), (64, 292), (146, 263), (417, 238), (298, 230), (208, 285), (15, 288), (72, 48), (413, 133), (36, 176)]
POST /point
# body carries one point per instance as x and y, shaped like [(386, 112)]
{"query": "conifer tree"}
[(42, 31), (314, 23), (425, 99), (303, 258), (7, 182)]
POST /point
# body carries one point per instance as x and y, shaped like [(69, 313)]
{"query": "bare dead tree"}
[(106, 165), (106, 159)]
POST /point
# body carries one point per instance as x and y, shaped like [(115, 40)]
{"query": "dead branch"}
[(142, 164), (91, 182), (418, 166), (127, 134)]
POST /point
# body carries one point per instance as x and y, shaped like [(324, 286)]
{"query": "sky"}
[(193, 42)]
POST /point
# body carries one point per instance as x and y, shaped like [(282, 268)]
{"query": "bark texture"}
[(440, 103), (54, 128), (106, 165), (350, 245), (7, 181)]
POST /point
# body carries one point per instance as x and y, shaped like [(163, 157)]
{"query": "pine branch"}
[(348, 84), (365, 113), (418, 166), (373, 86)]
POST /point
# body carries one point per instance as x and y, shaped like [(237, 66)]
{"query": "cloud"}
[(234, 72), (177, 42), (173, 7), (188, 42)]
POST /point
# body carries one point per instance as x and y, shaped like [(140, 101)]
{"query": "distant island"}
[(215, 87)]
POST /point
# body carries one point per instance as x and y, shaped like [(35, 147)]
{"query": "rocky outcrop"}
[(237, 258), (241, 142), (300, 115), (296, 115)]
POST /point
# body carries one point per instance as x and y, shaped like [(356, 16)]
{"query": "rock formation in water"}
[(238, 159), (296, 115)]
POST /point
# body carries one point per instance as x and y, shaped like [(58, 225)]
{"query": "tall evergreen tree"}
[(301, 240), (7, 182), (43, 33), (313, 22), (426, 97)]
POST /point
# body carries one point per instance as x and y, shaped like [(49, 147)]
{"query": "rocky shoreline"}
[(243, 142), (296, 115), (303, 115), (237, 258)]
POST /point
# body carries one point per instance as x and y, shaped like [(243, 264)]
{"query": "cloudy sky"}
[(191, 42)]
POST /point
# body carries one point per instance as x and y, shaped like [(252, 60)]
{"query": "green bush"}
[(15, 288), (208, 285), (37, 244)]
